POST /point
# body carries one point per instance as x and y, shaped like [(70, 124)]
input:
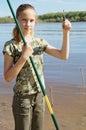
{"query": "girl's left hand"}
[(66, 25)]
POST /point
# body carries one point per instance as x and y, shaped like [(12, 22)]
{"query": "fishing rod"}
[(36, 72), (64, 17)]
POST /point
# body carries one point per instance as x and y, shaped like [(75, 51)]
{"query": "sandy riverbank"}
[(69, 105)]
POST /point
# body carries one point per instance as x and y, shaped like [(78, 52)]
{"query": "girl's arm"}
[(64, 52), (10, 70)]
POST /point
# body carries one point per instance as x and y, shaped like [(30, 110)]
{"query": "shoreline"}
[(69, 105)]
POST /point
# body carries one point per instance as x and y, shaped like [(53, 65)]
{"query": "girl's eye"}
[(23, 20), (32, 20)]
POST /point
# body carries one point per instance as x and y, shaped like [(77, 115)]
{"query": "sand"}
[(68, 103)]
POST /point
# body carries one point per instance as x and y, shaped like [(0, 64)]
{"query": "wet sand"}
[(68, 103)]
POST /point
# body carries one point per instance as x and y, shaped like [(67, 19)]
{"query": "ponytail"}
[(16, 34)]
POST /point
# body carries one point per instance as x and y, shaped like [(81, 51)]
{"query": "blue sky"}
[(44, 6)]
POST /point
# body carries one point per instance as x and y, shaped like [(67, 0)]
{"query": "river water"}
[(57, 72)]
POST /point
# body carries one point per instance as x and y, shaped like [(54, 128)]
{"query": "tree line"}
[(6, 19), (76, 16), (73, 16)]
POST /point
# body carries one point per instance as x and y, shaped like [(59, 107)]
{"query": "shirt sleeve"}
[(8, 48), (44, 44)]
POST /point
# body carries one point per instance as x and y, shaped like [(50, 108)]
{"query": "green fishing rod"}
[(36, 72)]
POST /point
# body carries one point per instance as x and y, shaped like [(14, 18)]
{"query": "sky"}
[(44, 6)]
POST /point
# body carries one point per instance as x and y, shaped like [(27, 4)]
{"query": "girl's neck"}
[(26, 36)]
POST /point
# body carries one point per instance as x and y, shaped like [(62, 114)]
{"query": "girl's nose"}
[(28, 23)]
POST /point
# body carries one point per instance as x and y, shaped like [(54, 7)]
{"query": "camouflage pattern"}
[(26, 81)]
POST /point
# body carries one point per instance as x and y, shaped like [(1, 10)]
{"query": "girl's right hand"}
[(26, 51)]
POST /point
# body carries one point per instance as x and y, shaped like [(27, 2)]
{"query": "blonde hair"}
[(20, 9)]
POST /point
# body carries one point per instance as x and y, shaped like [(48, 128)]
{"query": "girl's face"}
[(27, 20)]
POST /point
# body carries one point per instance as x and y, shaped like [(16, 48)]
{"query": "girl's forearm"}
[(14, 70), (65, 45)]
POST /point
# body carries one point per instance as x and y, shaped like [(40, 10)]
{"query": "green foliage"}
[(7, 19), (74, 16)]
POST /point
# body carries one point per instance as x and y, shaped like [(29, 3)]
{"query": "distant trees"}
[(75, 16), (6, 19)]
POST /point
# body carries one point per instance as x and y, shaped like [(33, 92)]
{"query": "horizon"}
[(53, 6), (46, 13)]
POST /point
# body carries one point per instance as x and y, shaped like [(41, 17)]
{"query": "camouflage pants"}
[(29, 112)]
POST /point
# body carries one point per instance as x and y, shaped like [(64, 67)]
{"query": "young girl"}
[(28, 103)]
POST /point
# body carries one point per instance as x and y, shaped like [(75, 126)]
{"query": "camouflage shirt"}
[(26, 81)]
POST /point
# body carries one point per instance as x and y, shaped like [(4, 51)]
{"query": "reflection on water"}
[(56, 71)]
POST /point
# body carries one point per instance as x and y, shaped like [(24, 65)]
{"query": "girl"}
[(28, 103)]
